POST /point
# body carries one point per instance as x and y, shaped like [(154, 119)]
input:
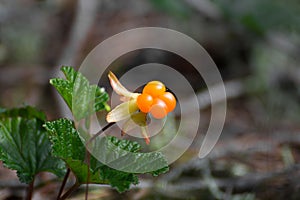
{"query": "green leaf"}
[(111, 151), (82, 98), (68, 145), (118, 179), (65, 140), (160, 171), (24, 145), (80, 170), (102, 175), (126, 145)]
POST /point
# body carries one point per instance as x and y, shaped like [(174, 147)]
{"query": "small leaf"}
[(82, 98), (24, 145)]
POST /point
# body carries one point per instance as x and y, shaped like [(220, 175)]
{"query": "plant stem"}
[(30, 190), (88, 161), (63, 183), (70, 191), (88, 156), (100, 132)]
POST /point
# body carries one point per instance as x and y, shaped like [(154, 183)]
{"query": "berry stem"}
[(100, 132)]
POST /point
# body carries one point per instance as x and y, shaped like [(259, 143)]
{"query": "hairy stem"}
[(63, 183), (88, 160), (30, 190), (88, 156)]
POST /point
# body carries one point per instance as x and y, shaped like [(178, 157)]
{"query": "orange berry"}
[(144, 102), (169, 100), (158, 109), (154, 88)]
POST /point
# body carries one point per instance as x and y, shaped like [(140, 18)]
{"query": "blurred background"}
[(254, 43)]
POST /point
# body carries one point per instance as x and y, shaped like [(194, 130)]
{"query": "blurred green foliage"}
[(261, 16), (22, 46), (175, 8)]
